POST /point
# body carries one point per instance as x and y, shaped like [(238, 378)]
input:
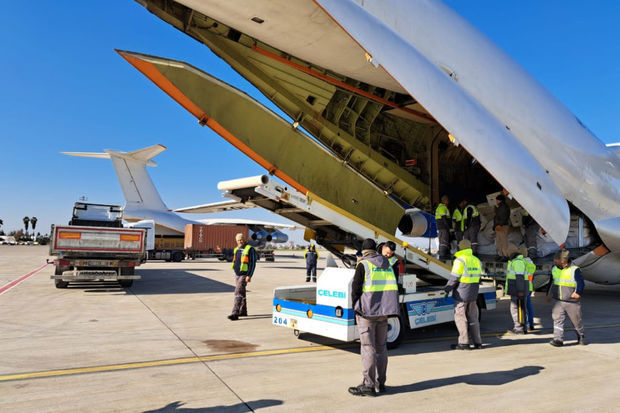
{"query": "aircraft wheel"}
[(395, 333), (177, 256), (296, 333)]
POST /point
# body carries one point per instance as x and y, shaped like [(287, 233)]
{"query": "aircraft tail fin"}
[(130, 167)]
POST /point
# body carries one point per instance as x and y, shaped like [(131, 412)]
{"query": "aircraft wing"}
[(477, 130), (237, 221), (223, 206)]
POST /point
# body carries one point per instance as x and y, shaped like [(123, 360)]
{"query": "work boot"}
[(515, 331), (477, 346), (581, 339), (381, 389), (459, 346), (243, 314), (233, 317), (314, 280), (362, 390), (556, 343), (307, 280)]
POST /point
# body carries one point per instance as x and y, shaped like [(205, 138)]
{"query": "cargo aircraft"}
[(392, 104), (143, 202)]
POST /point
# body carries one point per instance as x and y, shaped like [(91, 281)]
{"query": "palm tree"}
[(26, 221), (33, 224)]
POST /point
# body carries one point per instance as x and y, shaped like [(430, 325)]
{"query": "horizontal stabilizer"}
[(88, 154)]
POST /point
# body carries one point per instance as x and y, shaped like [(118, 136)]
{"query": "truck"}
[(326, 309), (96, 247)]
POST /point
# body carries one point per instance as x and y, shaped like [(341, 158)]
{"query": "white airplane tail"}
[(130, 167)]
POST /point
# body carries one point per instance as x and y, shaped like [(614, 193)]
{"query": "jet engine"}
[(417, 223)]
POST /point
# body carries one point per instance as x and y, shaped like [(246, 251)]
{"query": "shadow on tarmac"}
[(159, 282), (239, 407), (492, 378)]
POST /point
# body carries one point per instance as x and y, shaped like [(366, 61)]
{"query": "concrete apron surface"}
[(165, 345)]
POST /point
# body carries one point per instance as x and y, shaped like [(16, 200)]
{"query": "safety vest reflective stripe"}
[(473, 209), (245, 258), (442, 211), (378, 279), (392, 260), (471, 269), (516, 266), (565, 277)]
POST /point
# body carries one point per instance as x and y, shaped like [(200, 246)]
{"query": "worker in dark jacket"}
[(471, 225), (531, 228), (465, 282), (244, 263), (501, 223), (387, 249), (312, 257), (566, 287), (374, 293), (444, 224)]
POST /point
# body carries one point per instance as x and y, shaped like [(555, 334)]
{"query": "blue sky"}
[(65, 89)]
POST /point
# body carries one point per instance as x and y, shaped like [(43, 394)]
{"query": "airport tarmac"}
[(165, 344)]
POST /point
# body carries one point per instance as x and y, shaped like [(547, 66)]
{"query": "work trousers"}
[(559, 312), (501, 241), (240, 304), (458, 235), (444, 243), (373, 341), (514, 311), (531, 232), (530, 311), (471, 234), (311, 270), (466, 320)]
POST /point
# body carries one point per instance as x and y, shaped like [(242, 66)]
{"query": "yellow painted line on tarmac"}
[(170, 362), (217, 357)]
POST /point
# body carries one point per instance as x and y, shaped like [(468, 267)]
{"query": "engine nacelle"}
[(417, 223), (278, 237)]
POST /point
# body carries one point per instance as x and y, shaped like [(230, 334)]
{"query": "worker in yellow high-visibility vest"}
[(374, 294), (465, 282), (566, 287), (444, 225), (244, 263)]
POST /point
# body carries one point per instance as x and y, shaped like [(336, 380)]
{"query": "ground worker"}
[(517, 286), (465, 282), (501, 224), (442, 218), (374, 293), (387, 249), (530, 269), (471, 225), (312, 257), (566, 287), (457, 221), (531, 228), (244, 262)]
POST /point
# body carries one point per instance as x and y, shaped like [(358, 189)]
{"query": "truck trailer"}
[(96, 247)]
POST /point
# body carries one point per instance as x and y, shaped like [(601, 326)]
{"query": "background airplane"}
[(143, 202), (407, 95)]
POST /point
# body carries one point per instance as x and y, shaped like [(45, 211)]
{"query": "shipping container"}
[(213, 238)]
